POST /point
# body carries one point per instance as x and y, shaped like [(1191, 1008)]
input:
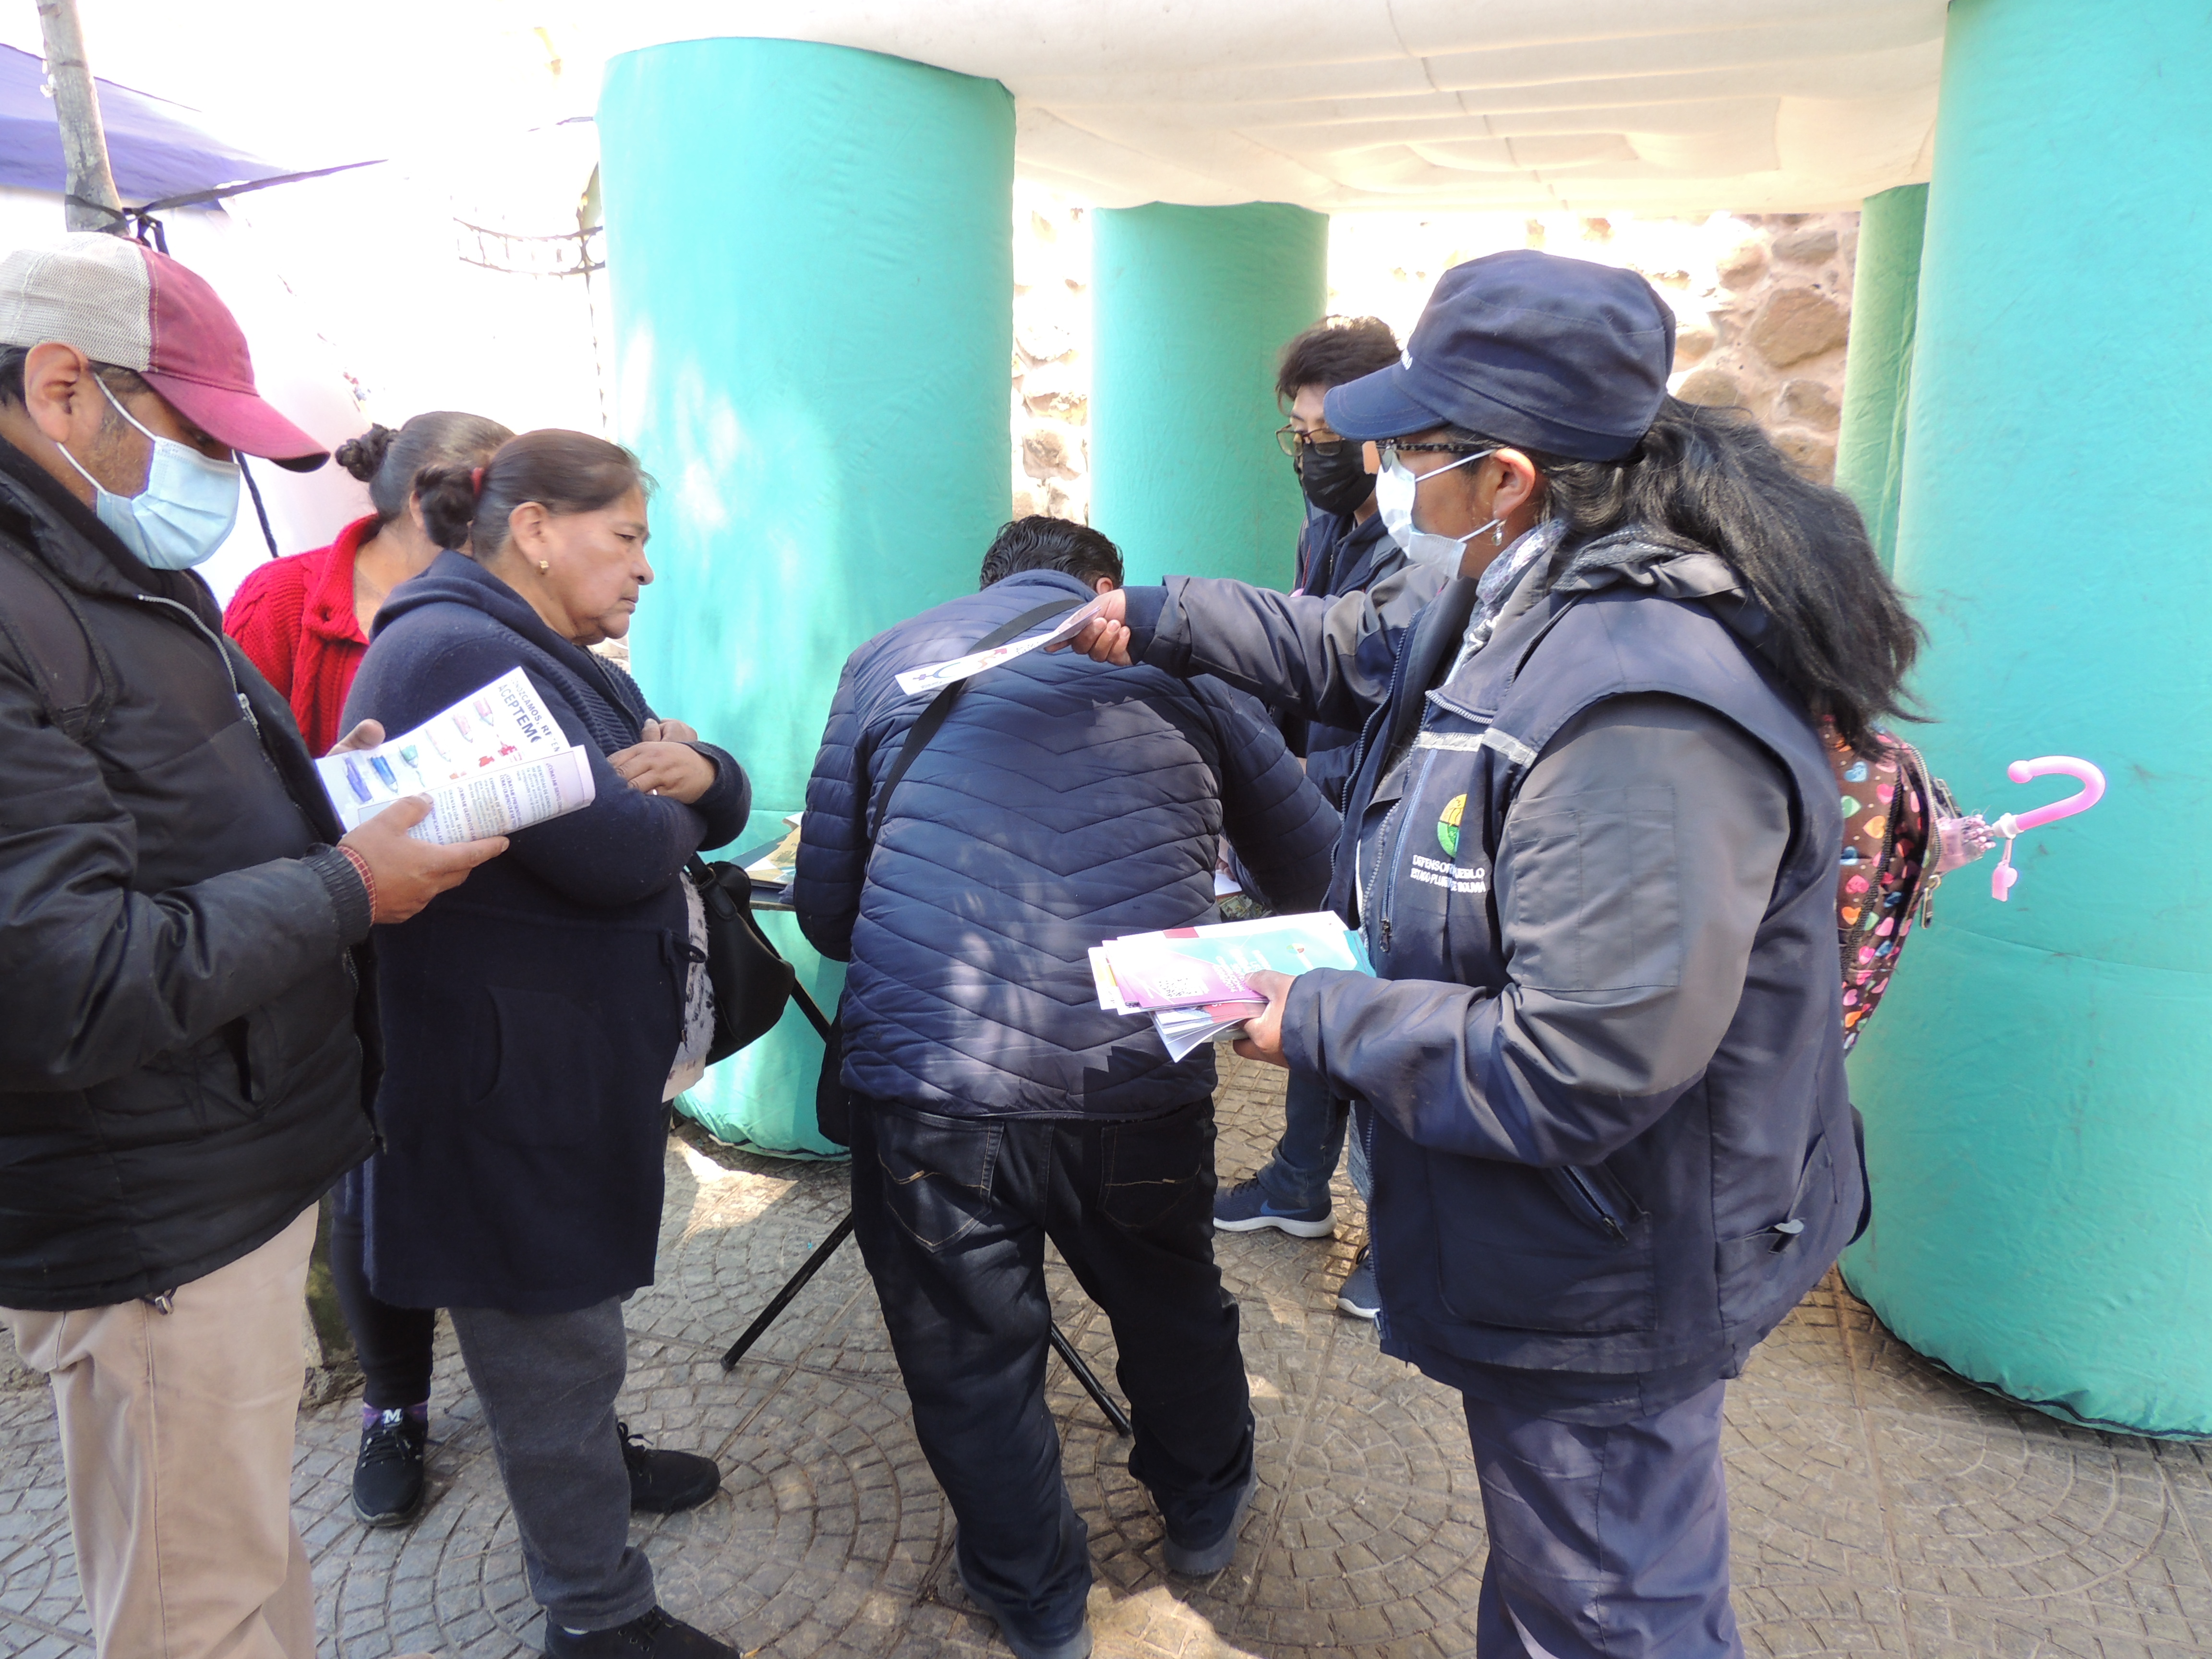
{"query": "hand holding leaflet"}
[(935, 676), (494, 763), (1200, 984)]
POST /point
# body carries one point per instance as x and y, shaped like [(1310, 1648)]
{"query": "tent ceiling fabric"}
[(1651, 106)]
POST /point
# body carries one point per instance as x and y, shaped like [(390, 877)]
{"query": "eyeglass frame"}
[(1386, 447), (1290, 440)]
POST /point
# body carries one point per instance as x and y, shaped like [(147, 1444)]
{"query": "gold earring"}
[(542, 567)]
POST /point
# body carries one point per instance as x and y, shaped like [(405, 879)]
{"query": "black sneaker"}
[(387, 1476), (651, 1636), (663, 1482)]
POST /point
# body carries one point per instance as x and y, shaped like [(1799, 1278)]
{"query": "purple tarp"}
[(153, 148)]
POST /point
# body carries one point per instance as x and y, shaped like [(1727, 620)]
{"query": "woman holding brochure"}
[(1591, 838), (533, 1033), (303, 621)]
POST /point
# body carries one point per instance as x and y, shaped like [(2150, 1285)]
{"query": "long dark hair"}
[(562, 471), (1843, 639), (389, 461)]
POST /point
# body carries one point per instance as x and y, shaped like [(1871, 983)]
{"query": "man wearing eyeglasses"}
[(1343, 549)]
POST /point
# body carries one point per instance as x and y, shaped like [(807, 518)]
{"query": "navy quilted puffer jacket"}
[(1060, 806)]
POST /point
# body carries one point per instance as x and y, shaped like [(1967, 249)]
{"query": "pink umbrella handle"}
[(2091, 792)]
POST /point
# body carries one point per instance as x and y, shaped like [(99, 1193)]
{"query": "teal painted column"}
[(1878, 366), (1191, 309), (813, 280), (2039, 1086)]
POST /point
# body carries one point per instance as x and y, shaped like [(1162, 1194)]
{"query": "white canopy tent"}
[(1659, 107)]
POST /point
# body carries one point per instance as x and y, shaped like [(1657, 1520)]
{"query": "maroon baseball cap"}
[(120, 302)]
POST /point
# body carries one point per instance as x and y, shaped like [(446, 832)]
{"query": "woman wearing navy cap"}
[(1591, 840)]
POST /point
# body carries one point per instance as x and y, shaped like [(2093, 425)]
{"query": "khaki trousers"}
[(176, 1433)]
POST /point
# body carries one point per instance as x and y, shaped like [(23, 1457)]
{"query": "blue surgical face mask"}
[(1395, 489), (186, 511)]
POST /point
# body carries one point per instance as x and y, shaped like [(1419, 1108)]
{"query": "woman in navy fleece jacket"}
[(530, 1031)]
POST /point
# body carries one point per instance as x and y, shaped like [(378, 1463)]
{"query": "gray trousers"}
[(547, 1383)]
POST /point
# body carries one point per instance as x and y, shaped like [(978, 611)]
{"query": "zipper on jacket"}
[(236, 690), (1386, 841), (1598, 1207)]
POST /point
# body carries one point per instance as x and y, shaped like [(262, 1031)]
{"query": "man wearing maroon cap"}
[(188, 1048)]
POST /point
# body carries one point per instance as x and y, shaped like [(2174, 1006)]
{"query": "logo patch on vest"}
[(1447, 825)]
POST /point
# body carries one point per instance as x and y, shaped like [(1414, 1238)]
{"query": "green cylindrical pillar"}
[(2037, 1089), (1191, 307), (1878, 366), (812, 277)]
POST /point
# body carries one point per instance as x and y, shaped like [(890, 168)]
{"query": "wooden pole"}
[(92, 203)]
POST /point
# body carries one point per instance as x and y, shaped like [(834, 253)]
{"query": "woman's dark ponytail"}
[(448, 503), (390, 463), (363, 456), (469, 507)]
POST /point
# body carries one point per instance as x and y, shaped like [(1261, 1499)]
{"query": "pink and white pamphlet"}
[(494, 763)]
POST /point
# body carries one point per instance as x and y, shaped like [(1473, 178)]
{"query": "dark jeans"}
[(392, 1344), (1606, 1543), (547, 1383), (1297, 1177), (952, 1215)]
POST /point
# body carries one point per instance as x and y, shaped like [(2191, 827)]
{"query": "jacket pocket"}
[(1524, 1248), (1745, 1267), (295, 1027), (554, 1071), (937, 1182)]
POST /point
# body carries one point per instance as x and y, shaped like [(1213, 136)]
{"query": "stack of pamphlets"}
[(1191, 980), (494, 763)]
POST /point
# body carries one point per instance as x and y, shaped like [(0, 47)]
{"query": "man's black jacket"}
[(181, 1025)]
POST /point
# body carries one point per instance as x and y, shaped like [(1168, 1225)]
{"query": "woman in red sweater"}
[(304, 621)]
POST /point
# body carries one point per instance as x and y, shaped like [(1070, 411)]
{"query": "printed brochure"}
[(494, 763), (936, 675), (1190, 980)]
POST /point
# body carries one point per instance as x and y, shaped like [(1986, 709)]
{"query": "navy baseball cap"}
[(1555, 354)]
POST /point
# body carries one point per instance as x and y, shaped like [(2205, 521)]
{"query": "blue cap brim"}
[(1377, 405)]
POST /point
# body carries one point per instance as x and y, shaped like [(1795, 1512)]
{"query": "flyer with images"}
[(494, 763)]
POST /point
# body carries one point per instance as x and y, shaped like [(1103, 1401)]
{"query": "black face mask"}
[(1338, 484)]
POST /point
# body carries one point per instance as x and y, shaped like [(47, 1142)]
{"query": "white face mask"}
[(1395, 489), (184, 512)]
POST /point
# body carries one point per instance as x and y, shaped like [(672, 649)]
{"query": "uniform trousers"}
[(1607, 1541), (176, 1434)]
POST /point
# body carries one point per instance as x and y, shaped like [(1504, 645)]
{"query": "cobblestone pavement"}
[(1879, 1506)]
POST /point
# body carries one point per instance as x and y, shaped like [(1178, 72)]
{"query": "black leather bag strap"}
[(940, 706)]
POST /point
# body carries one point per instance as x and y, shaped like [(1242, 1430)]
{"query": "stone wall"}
[(1762, 305)]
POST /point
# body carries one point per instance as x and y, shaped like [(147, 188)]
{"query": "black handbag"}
[(833, 1102), (751, 982)]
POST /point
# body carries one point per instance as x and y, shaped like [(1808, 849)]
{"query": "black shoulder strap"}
[(48, 630), (934, 717)]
